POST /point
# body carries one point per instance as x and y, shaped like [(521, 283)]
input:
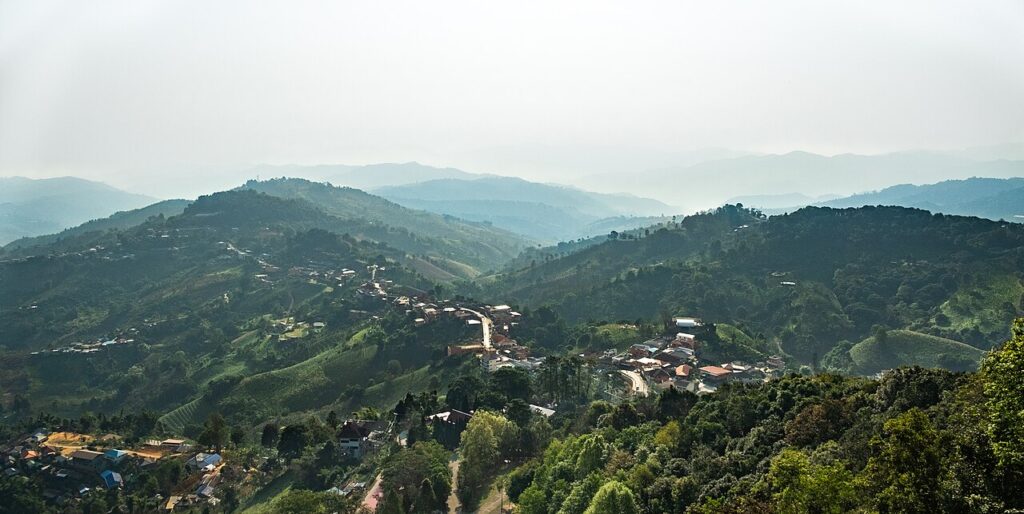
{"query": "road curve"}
[(485, 324), (637, 384)]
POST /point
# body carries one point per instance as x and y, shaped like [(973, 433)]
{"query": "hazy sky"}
[(136, 92)]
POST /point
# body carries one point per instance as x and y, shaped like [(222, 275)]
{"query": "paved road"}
[(373, 496), (637, 384), (485, 324)]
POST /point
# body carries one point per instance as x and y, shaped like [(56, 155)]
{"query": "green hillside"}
[(478, 245), (907, 348), (117, 221), (808, 280)]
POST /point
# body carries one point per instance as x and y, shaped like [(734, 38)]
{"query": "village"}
[(69, 465), (90, 346), (670, 360)]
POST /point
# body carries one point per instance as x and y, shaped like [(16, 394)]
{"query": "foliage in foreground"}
[(918, 440)]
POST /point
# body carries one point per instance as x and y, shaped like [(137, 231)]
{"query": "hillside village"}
[(70, 464)]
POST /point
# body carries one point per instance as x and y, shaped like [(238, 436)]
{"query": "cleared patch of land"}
[(907, 348)]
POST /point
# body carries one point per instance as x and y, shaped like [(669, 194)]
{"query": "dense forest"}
[(815, 280), (916, 440)]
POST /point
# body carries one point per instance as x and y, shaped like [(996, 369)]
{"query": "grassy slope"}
[(301, 385), (732, 333), (620, 336), (904, 348), (984, 306), (313, 382)]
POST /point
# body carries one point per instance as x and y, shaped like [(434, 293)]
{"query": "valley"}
[(565, 257), (295, 342)]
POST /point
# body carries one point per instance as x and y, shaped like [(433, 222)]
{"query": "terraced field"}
[(191, 413)]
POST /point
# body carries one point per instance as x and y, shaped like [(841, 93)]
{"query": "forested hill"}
[(170, 266), (473, 246), (915, 441), (118, 221), (812, 280), (991, 198), (443, 248)]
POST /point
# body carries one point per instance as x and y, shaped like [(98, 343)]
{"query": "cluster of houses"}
[(506, 352), (447, 426), (287, 328), (322, 273), (68, 466), (672, 361), (91, 346), (426, 311)]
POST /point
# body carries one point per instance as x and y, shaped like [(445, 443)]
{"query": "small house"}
[(543, 411), (676, 355), (111, 479), (662, 376), (715, 373), (686, 322), (640, 350), (683, 371), (684, 340), (87, 460), (353, 438), (203, 461), (115, 456)]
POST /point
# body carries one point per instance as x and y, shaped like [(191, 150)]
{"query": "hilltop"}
[(893, 349), (367, 176), (460, 247), (117, 221)]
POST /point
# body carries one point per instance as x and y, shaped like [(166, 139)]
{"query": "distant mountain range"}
[(711, 183), (541, 211), (545, 212), (990, 198), (31, 207)]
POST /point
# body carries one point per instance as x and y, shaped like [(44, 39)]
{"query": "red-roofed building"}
[(684, 371), (715, 373)]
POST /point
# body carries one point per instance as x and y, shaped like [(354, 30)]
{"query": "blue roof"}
[(111, 478), (115, 454), (205, 459)]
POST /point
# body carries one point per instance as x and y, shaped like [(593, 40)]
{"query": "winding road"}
[(485, 324), (637, 384)]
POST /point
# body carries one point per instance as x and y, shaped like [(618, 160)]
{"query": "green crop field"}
[(905, 348)]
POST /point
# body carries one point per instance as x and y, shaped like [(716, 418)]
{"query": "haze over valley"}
[(531, 258)]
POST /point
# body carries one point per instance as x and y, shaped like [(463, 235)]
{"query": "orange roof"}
[(684, 370), (716, 371)]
